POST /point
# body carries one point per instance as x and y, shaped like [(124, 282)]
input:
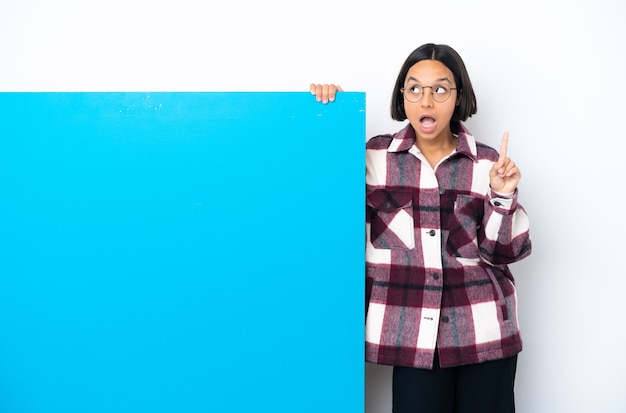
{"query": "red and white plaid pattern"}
[(438, 245)]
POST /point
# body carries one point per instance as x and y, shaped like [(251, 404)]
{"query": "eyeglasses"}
[(415, 93)]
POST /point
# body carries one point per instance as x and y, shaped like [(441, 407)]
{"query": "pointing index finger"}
[(504, 146)]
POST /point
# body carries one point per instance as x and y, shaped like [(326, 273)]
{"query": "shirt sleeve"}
[(505, 235)]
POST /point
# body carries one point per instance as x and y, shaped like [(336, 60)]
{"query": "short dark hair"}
[(449, 57)]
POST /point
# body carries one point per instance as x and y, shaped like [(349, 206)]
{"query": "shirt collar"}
[(404, 140)]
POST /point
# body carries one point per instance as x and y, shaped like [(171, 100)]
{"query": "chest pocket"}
[(463, 226), (391, 219)]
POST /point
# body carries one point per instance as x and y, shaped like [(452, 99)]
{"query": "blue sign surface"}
[(181, 252)]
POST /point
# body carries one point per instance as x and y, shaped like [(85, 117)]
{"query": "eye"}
[(415, 89), (440, 90)]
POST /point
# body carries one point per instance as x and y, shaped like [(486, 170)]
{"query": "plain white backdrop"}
[(549, 72)]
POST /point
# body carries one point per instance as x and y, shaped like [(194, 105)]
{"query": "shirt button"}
[(442, 191), (431, 232), (497, 203), (445, 319), (436, 276)]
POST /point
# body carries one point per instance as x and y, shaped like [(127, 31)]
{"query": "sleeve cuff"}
[(501, 200)]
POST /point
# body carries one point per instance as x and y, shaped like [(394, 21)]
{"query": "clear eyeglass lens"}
[(441, 93)]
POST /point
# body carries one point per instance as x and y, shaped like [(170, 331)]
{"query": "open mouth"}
[(427, 120), (427, 123)]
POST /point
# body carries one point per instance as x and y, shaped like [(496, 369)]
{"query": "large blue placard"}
[(181, 252)]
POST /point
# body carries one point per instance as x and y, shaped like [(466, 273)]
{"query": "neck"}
[(436, 149)]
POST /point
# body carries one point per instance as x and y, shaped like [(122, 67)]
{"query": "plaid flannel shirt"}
[(438, 245)]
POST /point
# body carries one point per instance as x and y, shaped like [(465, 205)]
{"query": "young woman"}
[(443, 222)]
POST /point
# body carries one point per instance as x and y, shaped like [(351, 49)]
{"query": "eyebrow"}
[(441, 79)]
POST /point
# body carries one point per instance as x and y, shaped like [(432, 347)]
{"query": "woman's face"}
[(429, 116)]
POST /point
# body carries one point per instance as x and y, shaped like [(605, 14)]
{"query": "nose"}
[(427, 97)]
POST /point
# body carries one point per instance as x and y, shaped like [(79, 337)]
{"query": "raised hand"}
[(324, 93), (504, 175)]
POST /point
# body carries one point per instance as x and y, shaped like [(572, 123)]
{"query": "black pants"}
[(477, 388)]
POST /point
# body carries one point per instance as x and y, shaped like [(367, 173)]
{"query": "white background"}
[(550, 72)]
